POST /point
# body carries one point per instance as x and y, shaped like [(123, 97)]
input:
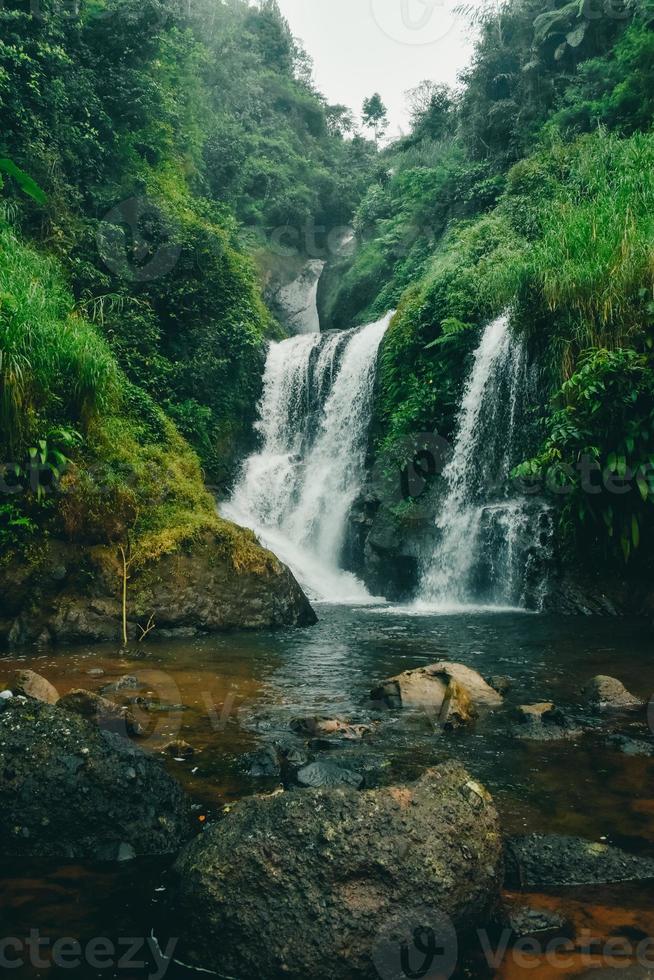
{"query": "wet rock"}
[(631, 746), (330, 728), (32, 685), (221, 580), (128, 682), (426, 687), (523, 921), (101, 711), (265, 763), (327, 773), (541, 861), (279, 760), (372, 767), (544, 722), (500, 683), (317, 875), (71, 790), (179, 749), (607, 693)]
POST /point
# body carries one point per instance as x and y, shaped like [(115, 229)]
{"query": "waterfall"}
[(489, 537), (296, 492)]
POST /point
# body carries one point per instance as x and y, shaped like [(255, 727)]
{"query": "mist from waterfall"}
[(488, 534), (297, 491)]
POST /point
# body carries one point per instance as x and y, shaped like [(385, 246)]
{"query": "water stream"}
[(296, 492), (488, 534)]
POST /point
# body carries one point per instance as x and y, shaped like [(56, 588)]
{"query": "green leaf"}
[(24, 181), (643, 486), (635, 531)]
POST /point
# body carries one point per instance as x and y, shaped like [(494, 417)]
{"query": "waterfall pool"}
[(232, 694)]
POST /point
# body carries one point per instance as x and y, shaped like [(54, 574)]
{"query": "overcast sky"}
[(386, 46)]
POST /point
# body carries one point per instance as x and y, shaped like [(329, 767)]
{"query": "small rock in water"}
[(523, 920), (537, 861), (605, 693), (500, 683), (327, 774), (265, 763), (544, 722), (34, 686), (329, 727), (631, 746), (426, 687), (126, 683), (179, 748)]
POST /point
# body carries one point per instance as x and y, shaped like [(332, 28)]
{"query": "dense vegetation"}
[(531, 187), (148, 152), (157, 162)]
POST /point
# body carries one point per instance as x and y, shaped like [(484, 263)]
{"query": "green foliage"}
[(204, 114), (598, 456), (52, 364), (24, 181)]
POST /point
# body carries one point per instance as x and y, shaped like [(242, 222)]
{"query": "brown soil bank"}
[(72, 594)]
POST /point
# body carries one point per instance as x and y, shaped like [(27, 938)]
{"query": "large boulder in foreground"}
[(427, 687), (309, 883), (221, 580), (71, 790)]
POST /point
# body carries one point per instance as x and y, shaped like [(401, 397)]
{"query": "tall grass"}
[(594, 255), (52, 363)]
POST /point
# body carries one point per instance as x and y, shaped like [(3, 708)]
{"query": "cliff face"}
[(73, 595)]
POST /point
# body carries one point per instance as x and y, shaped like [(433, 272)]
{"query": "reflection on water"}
[(227, 695)]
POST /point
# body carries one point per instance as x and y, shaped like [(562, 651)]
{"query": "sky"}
[(388, 46)]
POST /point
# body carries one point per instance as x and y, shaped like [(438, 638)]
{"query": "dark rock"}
[(128, 682), (179, 749), (70, 790), (305, 884), (34, 686), (525, 921), (328, 774), (101, 711), (608, 693), (631, 746), (543, 723), (537, 861), (501, 684), (265, 763)]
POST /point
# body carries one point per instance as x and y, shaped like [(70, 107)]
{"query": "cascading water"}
[(488, 536), (297, 491)]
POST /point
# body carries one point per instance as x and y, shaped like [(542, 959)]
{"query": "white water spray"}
[(297, 491)]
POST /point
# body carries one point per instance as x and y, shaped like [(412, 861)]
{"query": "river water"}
[(232, 694)]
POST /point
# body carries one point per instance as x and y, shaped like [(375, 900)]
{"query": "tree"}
[(432, 106), (375, 115)]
